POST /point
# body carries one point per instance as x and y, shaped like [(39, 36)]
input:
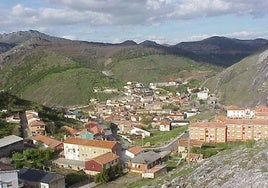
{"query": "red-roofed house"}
[(97, 164), (48, 142), (134, 151)]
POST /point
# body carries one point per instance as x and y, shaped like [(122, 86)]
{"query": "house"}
[(39, 178), (95, 129), (70, 130), (165, 126), (10, 144), (69, 164), (48, 142), (37, 127), (144, 161), (185, 144), (139, 131), (240, 112), (85, 134), (191, 113), (85, 149), (8, 176), (134, 151), (13, 118), (202, 95), (97, 164), (179, 123), (154, 172)]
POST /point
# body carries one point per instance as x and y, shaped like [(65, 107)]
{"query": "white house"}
[(133, 151), (165, 126), (240, 113), (202, 95), (138, 131), (8, 176)]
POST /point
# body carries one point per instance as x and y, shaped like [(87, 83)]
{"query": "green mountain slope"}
[(152, 68), (52, 79), (245, 83)]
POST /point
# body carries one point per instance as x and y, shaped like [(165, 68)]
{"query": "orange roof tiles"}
[(136, 149), (70, 130), (247, 121), (208, 124), (51, 142), (106, 158), (93, 143), (36, 123), (232, 107)]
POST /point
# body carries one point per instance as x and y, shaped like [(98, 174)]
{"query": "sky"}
[(115, 21)]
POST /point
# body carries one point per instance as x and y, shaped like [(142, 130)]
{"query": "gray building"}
[(10, 144), (32, 178)]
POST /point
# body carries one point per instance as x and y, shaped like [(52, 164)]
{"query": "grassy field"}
[(159, 138)]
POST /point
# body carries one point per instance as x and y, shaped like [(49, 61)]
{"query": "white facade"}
[(71, 151), (129, 154), (138, 131), (44, 185), (202, 95), (240, 113), (164, 127), (9, 179)]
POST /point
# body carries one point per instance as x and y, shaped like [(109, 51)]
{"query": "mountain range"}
[(57, 71)]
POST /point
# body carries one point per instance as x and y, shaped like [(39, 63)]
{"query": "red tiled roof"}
[(51, 142), (106, 158), (91, 124), (93, 143), (36, 123), (208, 124), (136, 149), (232, 107), (70, 130)]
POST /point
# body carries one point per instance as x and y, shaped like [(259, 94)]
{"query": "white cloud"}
[(71, 37)]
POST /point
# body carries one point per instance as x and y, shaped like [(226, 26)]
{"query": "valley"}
[(135, 114)]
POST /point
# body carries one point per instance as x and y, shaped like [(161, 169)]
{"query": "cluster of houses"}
[(140, 102), (25, 177), (34, 124)]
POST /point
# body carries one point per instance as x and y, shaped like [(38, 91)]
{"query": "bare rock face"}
[(245, 83), (243, 167)]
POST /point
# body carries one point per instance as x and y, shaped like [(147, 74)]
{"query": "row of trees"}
[(109, 174), (33, 158)]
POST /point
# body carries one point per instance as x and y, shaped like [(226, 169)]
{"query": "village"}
[(135, 132)]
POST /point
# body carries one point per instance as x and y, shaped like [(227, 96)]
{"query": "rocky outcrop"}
[(243, 167)]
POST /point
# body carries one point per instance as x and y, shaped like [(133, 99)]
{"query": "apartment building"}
[(85, 149), (208, 131), (229, 130)]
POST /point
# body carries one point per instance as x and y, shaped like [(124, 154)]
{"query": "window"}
[(9, 184)]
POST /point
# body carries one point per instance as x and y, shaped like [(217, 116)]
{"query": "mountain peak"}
[(149, 43), (22, 36), (128, 43)]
